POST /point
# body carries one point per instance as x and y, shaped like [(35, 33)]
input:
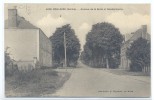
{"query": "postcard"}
[(77, 50)]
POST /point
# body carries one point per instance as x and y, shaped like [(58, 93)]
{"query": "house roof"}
[(137, 34), (21, 24)]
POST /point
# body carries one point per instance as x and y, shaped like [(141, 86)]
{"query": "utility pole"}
[(65, 64)]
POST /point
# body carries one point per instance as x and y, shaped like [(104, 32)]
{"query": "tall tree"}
[(72, 45), (104, 42), (139, 54)]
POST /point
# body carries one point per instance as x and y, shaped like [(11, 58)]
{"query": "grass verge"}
[(126, 72), (36, 83)]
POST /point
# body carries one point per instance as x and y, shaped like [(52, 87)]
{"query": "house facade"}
[(142, 32), (28, 45)]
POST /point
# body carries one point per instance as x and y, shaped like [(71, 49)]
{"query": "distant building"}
[(28, 45), (142, 32)]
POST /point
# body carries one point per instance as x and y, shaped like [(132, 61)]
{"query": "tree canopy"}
[(72, 45), (139, 54), (102, 46)]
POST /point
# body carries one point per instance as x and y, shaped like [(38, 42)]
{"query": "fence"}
[(25, 65)]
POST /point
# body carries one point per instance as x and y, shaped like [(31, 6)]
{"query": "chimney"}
[(144, 31), (12, 17)]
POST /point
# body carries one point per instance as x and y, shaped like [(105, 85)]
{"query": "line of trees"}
[(139, 55), (102, 47), (72, 46)]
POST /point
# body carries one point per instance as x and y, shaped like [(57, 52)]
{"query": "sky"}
[(127, 17)]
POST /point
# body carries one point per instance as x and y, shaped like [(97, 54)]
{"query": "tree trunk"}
[(107, 63)]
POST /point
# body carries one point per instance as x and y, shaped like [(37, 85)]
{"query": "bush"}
[(11, 70), (10, 67), (113, 62), (135, 67)]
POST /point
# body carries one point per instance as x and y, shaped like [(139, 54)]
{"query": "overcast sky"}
[(128, 18)]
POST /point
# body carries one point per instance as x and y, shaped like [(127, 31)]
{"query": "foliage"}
[(10, 67), (7, 57), (102, 46), (139, 54), (72, 45), (35, 83)]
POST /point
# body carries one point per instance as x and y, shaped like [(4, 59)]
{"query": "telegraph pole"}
[(65, 64)]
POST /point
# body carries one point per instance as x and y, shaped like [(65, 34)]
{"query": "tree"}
[(7, 57), (139, 54), (72, 45), (102, 45), (86, 55), (10, 67)]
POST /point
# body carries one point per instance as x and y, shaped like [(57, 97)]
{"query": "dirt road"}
[(97, 82)]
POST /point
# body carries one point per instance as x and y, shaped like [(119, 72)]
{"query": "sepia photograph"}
[(77, 50)]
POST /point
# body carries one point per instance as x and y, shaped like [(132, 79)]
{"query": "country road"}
[(97, 82)]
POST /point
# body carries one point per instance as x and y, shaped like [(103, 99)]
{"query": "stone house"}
[(28, 45)]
